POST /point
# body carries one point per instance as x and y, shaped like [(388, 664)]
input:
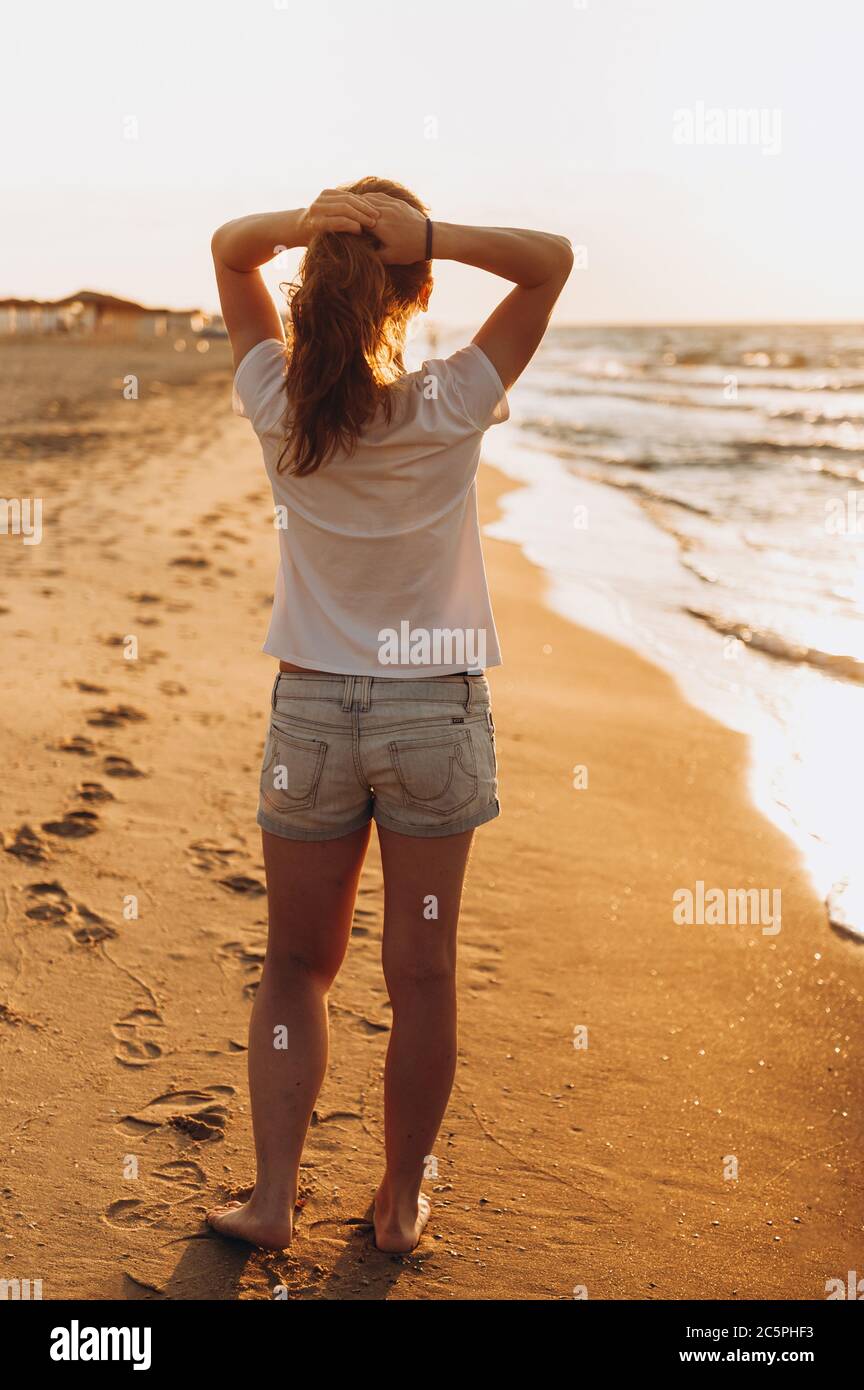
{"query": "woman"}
[(381, 623)]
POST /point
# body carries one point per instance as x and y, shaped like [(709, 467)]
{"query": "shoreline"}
[(604, 596), (558, 1166)]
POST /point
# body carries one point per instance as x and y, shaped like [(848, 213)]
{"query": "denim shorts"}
[(417, 756)]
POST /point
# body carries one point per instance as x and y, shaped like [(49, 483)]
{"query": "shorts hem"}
[(436, 831), (290, 832)]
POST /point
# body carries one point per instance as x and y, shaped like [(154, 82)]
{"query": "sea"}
[(698, 494)]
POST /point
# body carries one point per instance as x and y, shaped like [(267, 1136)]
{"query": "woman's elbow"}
[(564, 255), (217, 241)]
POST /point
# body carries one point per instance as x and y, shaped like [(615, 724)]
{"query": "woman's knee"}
[(410, 977), (287, 966)]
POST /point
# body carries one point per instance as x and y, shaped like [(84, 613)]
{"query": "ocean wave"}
[(745, 357), (585, 445), (648, 494), (708, 576), (845, 472), (566, 431), (748, 378), (655, 398), (817, 417), (790, 448), (781, 648)]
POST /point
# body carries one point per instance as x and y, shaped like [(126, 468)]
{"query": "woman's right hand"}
[(337, 211), (400, 229)]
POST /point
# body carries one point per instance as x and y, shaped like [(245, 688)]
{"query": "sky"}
[(132, 131)]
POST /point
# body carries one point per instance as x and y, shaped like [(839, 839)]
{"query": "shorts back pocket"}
[(437, 774), (291, 771)]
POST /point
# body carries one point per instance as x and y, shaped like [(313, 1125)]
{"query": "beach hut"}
[(91, 314)]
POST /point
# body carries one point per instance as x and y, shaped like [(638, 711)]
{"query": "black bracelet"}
[(428, 256)]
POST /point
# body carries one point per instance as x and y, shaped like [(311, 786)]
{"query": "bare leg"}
[(420, 876), (311, 887)]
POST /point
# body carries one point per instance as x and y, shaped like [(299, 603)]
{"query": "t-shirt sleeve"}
[(258, 381), (470, 387)]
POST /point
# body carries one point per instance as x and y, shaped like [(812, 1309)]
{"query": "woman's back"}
[(383, 539)]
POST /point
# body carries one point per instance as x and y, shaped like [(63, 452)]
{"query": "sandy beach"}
[(133, 705)]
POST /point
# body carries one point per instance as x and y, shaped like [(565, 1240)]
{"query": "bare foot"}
[(242, 1222), (399, 1232)]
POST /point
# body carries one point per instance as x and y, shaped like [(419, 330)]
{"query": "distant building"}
[(89, 314)]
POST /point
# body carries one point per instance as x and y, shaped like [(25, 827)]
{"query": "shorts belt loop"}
[(366, 693), (275, 695), (348, 697), (470, 694)]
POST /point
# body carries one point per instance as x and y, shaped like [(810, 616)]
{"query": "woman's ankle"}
[(397, 1198), (273, 1199)]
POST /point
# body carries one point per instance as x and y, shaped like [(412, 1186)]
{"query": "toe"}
[(217, 1212)]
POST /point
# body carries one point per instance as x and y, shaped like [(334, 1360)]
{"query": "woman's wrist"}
[(250, 242), (445, 241), (517, 254)]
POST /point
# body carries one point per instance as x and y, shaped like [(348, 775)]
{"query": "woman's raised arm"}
[(242, 246), (537, 262)]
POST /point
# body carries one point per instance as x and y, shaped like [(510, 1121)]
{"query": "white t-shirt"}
[(381, 571)]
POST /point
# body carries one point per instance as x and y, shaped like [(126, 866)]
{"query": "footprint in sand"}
[(200, 1114), (15, 1020), (191, 562), (115, 718), (27, 845), (93, 792), (136, 1034), (209, 855), (482, 960), (242, 883), (49, 902), (84, 747), (359, 1023), (366, 915), (116, 766), (130, 1213), (75, 825), (363, 915), (250, 957), (181, 1173), (87, 688), (370, 1026), (93, 928)]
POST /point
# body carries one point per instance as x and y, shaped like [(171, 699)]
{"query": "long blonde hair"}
[(349, 313)]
